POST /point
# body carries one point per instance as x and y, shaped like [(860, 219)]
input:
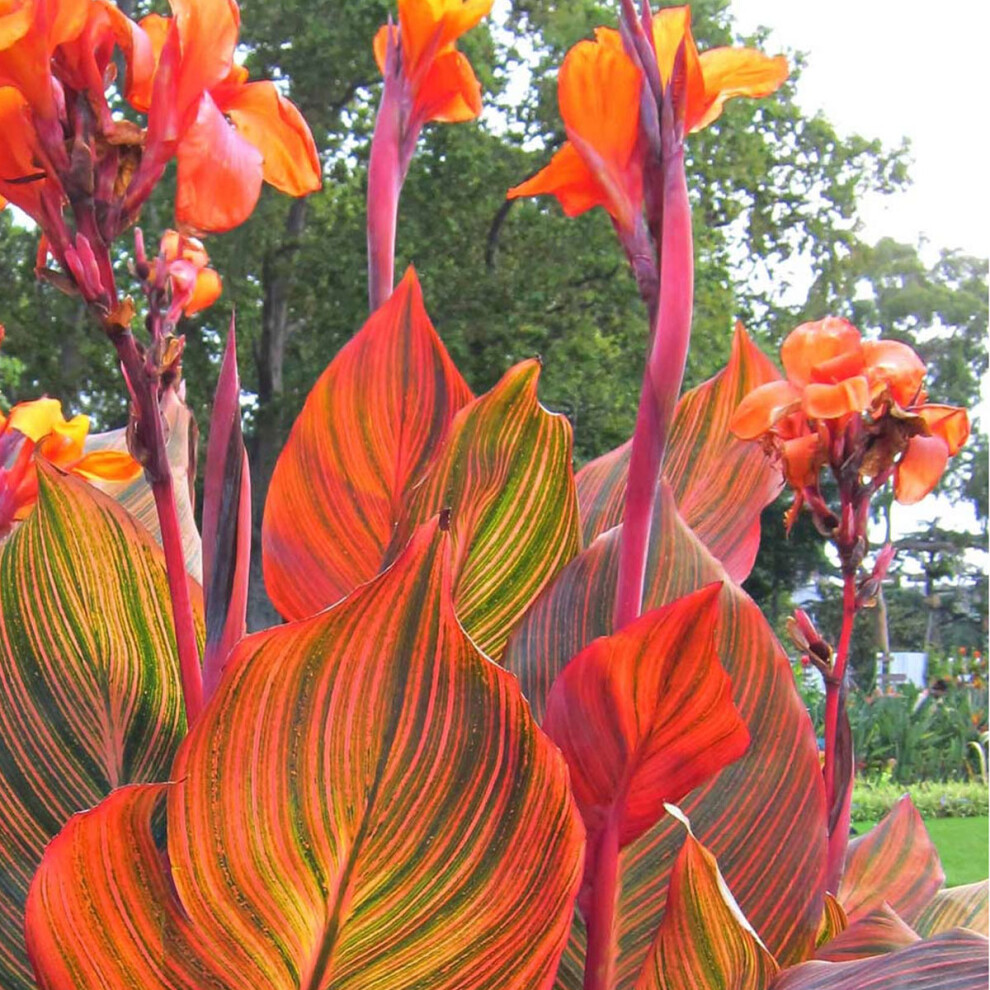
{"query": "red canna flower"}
[(228, 134), (442, 85), (834, 376), (599, 89), (38, 429)]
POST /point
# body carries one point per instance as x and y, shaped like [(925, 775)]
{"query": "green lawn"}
[(961, 844)]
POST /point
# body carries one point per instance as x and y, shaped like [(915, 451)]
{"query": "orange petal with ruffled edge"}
[(429, 27), (35, 419), (895, 367), (276, 128), (16, 19), (671, 27), (732, 72), (205, 293), (450, 92), (949, 423), (107, 465), (220, 173), (763, 407), (64, 444), (815, 343), (599, 90), (920, 467), (825, 401), (16, 153), (803, 458), (208, 31)]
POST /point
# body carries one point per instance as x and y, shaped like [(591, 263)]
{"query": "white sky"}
[(893, 69)]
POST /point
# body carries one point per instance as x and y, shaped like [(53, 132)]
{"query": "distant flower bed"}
[(872, 799)]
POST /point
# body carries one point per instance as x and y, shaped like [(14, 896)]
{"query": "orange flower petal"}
[(763, 407), (16, 17), (107, 465), (919, 468), (276, 128), (731, 72), (220, 172), (894, 365), (848, 364), (949, 423), (450, 92), (64, 444), (380, 45), (205, 293), (35, 419), (815, 343), (671, 27), (803, 458), (824, 401), (208, 32), (17, 154), (569, 179), (428, 27)]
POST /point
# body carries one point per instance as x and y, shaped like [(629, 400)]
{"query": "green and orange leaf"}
[(895, 862), (882, 930), (763, 817), (371, 425), (366, 801), (833, 921), (704, 941), (90, 695), (644, 716), (955, 907), (505, 473), (956, 960), (721, 484)]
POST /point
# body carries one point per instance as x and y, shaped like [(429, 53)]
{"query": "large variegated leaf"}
[(181, 437), (704, 941), (896, 862), (882, 930), (955, 907), (833, 921), (90, 695), (956, 960), (721, 484), (764, 816), (365, 802), (505, 474), (370, 426)]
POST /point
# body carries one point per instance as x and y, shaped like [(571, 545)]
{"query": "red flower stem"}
[(661, 388), (385, 175), (599, 962), (833, 694), (150, 443)]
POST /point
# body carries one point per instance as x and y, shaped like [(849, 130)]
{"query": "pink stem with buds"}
[(661, 388)]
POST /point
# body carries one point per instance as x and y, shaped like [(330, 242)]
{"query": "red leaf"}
[(763, 817), (874, 934), (721, 484), (366, 801), (370, 427), (226, 523), (895, 862), (954, 961), (644, 716)]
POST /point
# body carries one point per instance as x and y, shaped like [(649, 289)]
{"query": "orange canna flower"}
[(601, 163), (194, 285), (38, 429), (22, 179), (228, 134), (442, 83), (599, 89), (834, 375)]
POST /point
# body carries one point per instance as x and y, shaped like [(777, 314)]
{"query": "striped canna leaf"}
[(704, 941), (371, 425), (894, 863), (721, 484), (90, 696), (365, 802), (956, 960), (763, 817), (955, 907), (882, 930), (505, 475)]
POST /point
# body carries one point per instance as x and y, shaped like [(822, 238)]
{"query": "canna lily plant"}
[(522, 727)]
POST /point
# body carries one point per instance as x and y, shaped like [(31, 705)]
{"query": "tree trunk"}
[(269, 429)]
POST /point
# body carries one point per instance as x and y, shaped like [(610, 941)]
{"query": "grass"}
[(961, 844)]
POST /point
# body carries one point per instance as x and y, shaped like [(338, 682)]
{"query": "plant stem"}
[(149, 441), (833, 698), (661, 388), (599, 964)]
